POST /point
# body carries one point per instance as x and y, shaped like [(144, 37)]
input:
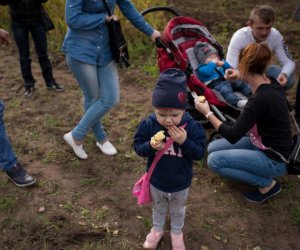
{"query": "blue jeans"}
[(243, 162), (7, 155), (21, 33), (100, 88), (274, 71), (227, 89)]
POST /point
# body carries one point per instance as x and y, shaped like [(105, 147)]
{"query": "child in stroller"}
[(211, 72)]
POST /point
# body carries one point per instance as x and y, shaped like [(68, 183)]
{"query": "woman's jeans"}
[(100, 88), (243, 162), (21, 33), (7, 155), (274, 71)]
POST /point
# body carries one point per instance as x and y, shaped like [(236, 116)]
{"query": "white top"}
[(242, 37)]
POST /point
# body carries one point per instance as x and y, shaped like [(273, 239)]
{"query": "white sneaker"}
[(78, 150), (107, 148), (241, 103)]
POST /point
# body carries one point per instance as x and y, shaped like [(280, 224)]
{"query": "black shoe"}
[(19, 176), (28, 91), (56, 87), (257, 196)]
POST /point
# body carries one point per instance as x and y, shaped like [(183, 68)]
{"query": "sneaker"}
[(28, 91), (19, 176), (177, 241), (152, 239), (257, 196), (107, 148), (56, 87), (78, 150)]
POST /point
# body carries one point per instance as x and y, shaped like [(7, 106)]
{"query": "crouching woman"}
[(255, 148)]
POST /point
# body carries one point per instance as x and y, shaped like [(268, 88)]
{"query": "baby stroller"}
[(175, 49)]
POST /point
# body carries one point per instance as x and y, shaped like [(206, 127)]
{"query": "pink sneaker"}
[(152, 239), (177, 241)]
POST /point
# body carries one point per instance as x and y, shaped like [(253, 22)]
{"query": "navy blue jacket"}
[(174, 171)]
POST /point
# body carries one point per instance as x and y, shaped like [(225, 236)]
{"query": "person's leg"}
[(21, 34), (39, 37), (7, 156), (159, 213), (177, 212), (100, 87), (223, 144), (274, 71), (225, 89), (252, 167), (8, 160), (242, 87)]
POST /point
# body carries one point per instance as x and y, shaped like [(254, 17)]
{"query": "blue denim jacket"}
[(87, 38)]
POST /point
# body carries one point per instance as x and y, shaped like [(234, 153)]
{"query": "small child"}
[(211, 71), (173, 173)]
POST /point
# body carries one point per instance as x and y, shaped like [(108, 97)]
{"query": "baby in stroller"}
[(211, 71)]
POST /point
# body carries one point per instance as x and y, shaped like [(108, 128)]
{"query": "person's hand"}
[(231, 74), (177, 134), (282, 79), (4, 37), (157, 145), (202, 107), (219, 63), (155, 35), (112, 17)]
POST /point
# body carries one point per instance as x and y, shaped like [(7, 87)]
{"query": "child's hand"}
[(219, 63), (178, 134), (157, 145)]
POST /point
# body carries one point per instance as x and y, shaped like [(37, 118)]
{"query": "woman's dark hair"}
[(254, 59)]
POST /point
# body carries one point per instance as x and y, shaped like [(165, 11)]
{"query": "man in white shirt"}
[(260, 29)]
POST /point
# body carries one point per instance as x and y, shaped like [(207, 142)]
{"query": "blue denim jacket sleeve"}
[(131, 13)]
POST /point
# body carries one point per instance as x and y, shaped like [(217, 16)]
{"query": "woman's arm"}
[(231, 132), (131, 13)]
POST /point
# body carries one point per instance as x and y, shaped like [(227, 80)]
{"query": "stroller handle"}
[(161, 8)]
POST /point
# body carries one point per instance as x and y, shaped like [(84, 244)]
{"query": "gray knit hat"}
[(203, 50)]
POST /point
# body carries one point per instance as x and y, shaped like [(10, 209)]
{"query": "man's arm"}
[(234, 49), (285, 58), (4, 37)]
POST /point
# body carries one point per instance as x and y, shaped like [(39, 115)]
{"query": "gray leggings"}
[(163, 201)]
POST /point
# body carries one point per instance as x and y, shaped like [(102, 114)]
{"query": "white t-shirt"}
[(242, 37)]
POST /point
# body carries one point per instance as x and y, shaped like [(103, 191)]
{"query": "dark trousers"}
[(21, 33)]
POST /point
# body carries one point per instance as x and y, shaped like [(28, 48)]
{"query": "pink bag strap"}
[(159, 154)]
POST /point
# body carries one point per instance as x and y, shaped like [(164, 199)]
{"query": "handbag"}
[(117, 41), (141, 189), (293, 162), (46, 20), (293, 166)]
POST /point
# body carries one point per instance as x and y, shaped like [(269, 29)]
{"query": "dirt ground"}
[(87, 204)]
